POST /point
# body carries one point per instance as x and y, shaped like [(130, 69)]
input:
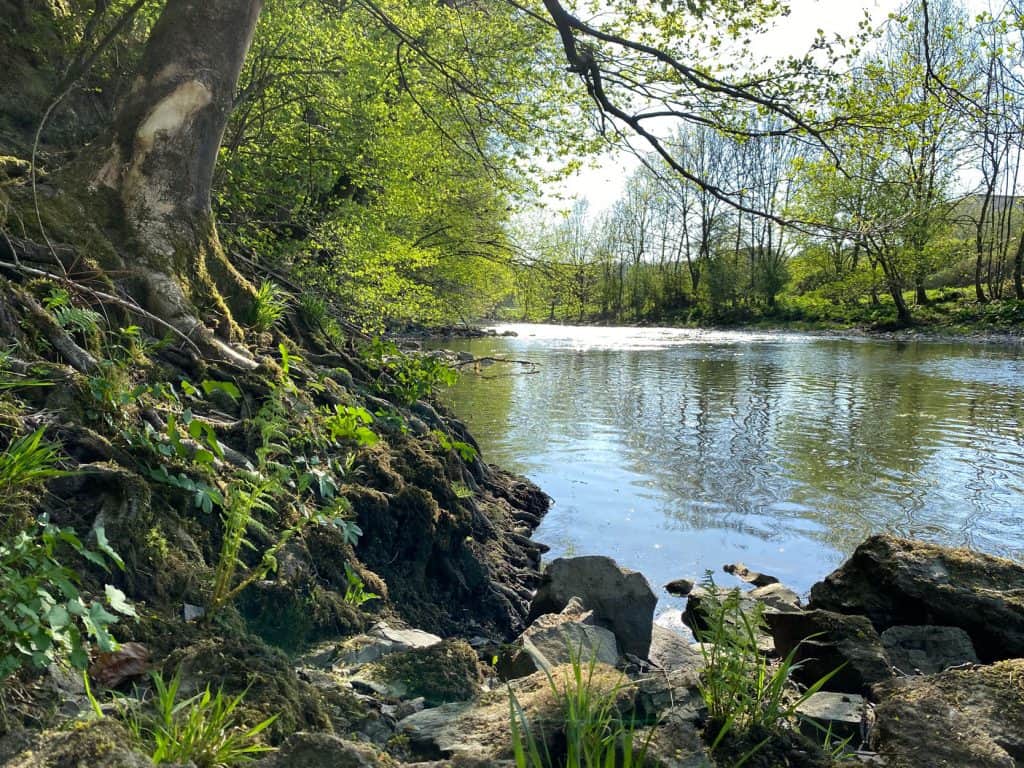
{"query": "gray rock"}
[(381, 641), (927, 650), (696, 606), (839, 713), (675, 690), (776, 597), (621, 600), (317, 750), (556, 639), (961, 717), (896, 581), (826, 641), (670, 651), (674, 742)]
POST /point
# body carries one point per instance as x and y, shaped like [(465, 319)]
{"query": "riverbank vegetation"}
[(213, 470)]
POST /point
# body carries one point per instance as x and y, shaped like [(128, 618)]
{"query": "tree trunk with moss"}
[(166, 137)]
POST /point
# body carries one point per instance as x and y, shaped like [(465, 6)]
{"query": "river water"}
[(676, 451)]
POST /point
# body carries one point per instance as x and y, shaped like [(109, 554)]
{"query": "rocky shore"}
[(928, 643)]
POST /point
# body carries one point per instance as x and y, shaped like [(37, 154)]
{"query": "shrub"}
[(43, 616), (269, 306)]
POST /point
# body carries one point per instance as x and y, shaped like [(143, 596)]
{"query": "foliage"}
[(742, 688), (349, 424), (464, 449), (355, 590), (25, 465), (408, 377), (202, 729), (44, 617), (595, 734), (270, 304)]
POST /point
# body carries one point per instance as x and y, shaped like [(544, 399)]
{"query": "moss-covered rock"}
[(96, 744), (448, 671)]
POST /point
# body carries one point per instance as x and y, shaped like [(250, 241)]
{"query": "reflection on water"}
[(677, 451)]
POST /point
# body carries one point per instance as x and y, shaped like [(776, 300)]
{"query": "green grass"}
[(595, 734), (202, 729)]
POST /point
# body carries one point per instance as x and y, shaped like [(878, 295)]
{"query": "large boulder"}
[(621, 600), (825, 642), (918, 650), (897, 581), (961, 717)]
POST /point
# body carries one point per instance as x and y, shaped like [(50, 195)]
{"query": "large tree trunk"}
[(166, 137)]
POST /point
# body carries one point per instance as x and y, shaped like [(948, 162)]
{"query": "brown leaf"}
[(112, 669)]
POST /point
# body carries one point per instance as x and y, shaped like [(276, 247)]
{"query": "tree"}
[(166, 137)]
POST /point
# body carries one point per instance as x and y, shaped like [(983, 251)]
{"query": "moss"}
[(246, 663), (95, 744), (446, 672)]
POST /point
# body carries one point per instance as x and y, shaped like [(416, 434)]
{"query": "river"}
[(676, 451)]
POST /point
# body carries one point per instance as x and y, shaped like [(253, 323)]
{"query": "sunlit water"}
[(677, 451)]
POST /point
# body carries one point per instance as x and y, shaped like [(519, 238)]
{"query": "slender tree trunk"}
[(1018, 264), (167, 134)]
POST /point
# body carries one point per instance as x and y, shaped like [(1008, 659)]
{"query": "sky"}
[(602, 182)]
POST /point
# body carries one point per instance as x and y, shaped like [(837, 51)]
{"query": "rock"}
[(740, 571), (777, 597), (315, 750), (896, 581), (675, 742), (679, 587), (840, 714), (836, 640), (441, 673), (927, 650), (696, 605), (961, 717), (382, 640), (670, 690), (480, 729), (621, 600), (556, 639), (97, 744), (670, 651)]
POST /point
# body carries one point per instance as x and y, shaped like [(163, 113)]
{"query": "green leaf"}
[(117, 601)]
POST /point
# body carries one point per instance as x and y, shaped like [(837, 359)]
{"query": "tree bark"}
[(166, 137)]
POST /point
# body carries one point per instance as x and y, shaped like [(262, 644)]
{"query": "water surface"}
[(676, 451)]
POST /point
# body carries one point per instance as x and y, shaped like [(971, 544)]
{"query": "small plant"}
[(71, 318), (464, 449), (355, 592), (269, 306), (743, 689), (595, 734), (25, 465), (244, 497), (349, 424), (43, 616), (203, 729), (410, 377)]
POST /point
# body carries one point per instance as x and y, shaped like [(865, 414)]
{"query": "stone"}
[(675, 742), (480, 729), (897, 581), (381, 641), (670, 651), (825, 642), (670, 690), (556, 639), (97, 744), (960, 717), (840, 714), (926, 650), (740, 571), (679, 587), (621, 600), (776, 597), (694, 617), (440, 673), (315, 750)]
